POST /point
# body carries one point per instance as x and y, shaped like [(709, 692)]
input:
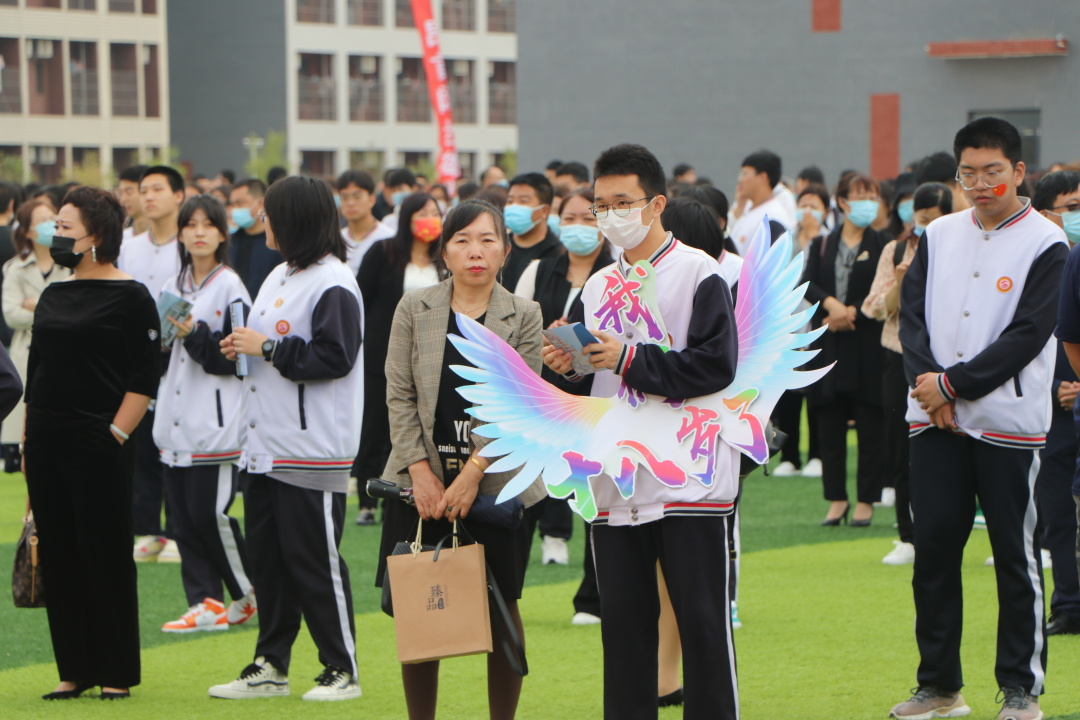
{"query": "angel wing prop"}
[(570, 439)]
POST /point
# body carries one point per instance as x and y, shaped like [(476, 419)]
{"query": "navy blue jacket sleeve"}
[(204, 344), (705, 366), (1022, 340), (11, 386), (334, 345), (914, 336), (1068, 318)]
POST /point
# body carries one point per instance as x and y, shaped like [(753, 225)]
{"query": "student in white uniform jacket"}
[(305, 396), (197, 425)]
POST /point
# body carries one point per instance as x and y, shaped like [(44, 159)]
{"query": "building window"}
[(462, 90), (151, 85), (366, 99), (467, 162), (317, 163), (10, 85), (43, 4), (123, 158), (459, 14), (46, 164), (412, 95), (502, 94), (315, 11), (12, 3), (46, 76), (124, 79), (80, 4), (416, 160), (403, 17), (501, 16), (370, 161), (84, 79), (149, 7), (316, 85), (365, 12), (122, 6)]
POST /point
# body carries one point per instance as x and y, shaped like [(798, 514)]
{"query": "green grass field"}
[(827, 633)]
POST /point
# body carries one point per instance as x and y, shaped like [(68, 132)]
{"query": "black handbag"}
[(27, 588)]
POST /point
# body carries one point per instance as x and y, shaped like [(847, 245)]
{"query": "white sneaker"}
[(240, 611), (170, 553), (736, 623), (1047, 562), (334, 684), (259, 679), (147, 548), (207, 615), (989, 561), (785, 469), (980, 521), (584, 618), (554, 550), (888, 498), (812, 468), (902, 554)]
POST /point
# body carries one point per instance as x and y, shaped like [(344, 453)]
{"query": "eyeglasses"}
[(968, 181), (621, 208), (1071, 207)]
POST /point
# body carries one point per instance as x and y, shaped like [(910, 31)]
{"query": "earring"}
[(93, 254)]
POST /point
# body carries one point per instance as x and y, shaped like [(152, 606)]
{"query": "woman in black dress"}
[(92, 370)]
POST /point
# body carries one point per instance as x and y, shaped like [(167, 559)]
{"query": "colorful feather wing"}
[(769, 321), (531, 423)]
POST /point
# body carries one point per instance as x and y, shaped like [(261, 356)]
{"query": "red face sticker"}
[(1004, 284), (1000, 190), (282, 327)]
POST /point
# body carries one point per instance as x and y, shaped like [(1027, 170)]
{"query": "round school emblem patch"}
[(279, 302), (1004, 284), (282, 327)]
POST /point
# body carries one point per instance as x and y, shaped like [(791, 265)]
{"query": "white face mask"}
[(625, 232)]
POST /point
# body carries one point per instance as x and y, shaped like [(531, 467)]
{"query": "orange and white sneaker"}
[(207, 615), (148, 547), (240, 611)]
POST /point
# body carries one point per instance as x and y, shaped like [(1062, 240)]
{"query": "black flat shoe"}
[(1062, 625), (112, 695), (66, 694), (672, 699)]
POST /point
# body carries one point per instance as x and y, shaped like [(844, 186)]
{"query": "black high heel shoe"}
[(67, 694), (115, 695), (836, 521)]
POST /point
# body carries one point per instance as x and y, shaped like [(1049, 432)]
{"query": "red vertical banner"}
[(439, 92), (884, 135)]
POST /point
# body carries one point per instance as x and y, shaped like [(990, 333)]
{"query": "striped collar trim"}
[(189, 284), (1011, 220), (663, 251)]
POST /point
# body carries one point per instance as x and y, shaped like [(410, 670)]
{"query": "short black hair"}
[(228, 176), (133, 174), (399, 247), (215, 213), (466, 190), (694, 224), (539, 183), (929, 195), (989, 132), (304, 220), (359, 178), (812, 174), (681, 169), (710, 197), (1052, 185), (629, 159), (817, 189), (576, 170), (53, 193), (197, 177), (103, 218), (9, 196), (765, 161), (176, 180), (554, 165), (401, 176), (939, 167), (255, 186), (275, 173)]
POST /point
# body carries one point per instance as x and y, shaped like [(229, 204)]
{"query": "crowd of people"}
[(183, 340)]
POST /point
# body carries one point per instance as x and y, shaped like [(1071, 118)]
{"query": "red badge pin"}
[(1004, 284), (282, 327)]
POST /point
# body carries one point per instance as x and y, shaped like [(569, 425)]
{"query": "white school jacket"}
[(199, 404), (152, 265), (305, 425)]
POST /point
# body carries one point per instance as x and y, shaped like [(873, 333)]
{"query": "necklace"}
[(468, 311)]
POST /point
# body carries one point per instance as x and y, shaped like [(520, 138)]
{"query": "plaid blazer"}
[(414, 368)]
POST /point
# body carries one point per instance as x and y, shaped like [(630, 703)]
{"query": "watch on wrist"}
[(268, 347)]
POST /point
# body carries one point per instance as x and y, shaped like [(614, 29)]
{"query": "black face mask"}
[(63, 251)]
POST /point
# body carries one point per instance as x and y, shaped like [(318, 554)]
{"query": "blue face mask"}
[(242, 217), (918, 230), (862, 212), (553, 224), (399, 197), (337, 201), (906, 211), (579, 239), (45, 231), (504, 184), (233, 228), (800, 213), (1071, 221), (519, 218)]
